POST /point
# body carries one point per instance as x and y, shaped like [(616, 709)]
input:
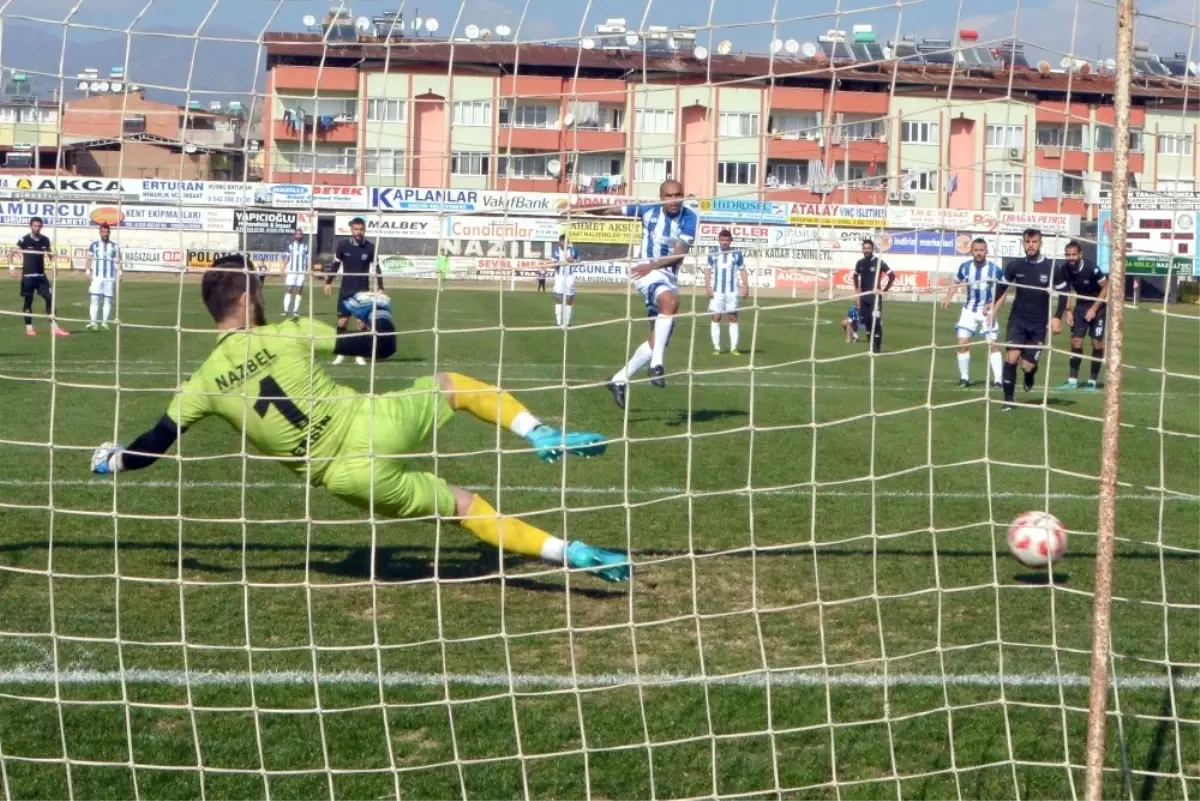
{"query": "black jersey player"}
[(1088, 316), (872, 277), (1031, 279)]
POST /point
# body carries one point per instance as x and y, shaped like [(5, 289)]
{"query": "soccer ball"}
[(1035, 539)]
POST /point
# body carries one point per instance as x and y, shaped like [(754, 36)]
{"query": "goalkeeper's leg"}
[(493, 405)]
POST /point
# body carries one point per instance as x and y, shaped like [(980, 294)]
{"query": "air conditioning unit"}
[(1006, 203), (893, 196), (1015, 154), (908, 197)]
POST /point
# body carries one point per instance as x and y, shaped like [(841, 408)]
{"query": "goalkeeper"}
[(263, 381)]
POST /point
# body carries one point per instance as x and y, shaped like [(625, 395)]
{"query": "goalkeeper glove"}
[(370, 305), (106, 459)]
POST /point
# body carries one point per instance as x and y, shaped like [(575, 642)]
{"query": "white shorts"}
[(724, 303), (103, 286), (975, 323), (654, 283), (295, 279), (564, 285)]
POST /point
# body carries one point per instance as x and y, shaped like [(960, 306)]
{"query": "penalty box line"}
[(815, 678)]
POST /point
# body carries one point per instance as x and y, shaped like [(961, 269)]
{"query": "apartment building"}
[(558, 118)]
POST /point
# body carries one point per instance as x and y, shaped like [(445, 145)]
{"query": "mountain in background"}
[(163, 63)]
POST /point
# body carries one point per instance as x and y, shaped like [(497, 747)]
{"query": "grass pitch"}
[(823, 604)]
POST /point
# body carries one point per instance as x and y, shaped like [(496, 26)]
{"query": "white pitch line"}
[(23, 675), (545, 489)]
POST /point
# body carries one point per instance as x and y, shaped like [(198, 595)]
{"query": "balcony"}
[(343, 131), (211, 137)]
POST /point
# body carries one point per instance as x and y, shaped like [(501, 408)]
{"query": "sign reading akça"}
[(69, 187)]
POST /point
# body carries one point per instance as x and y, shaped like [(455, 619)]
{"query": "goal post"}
[(823, 601)]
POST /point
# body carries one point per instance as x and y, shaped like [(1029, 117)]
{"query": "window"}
[(862, 130), (1070, 137), (1072, 184), (1106, 179), (741, 173), (523, 166), (854, 173), (466, 163), (1104, 138), (1175, 144), (1006, 136), (385, 163), (345, 108), (474, 113), (924, 181), (528, 116), (795, 126), (654, 121), (919, 132), (306, 161), (1002, 183), (593, 164), (738, 124), (591, 116), (1181, 185), (381, 110), (653, 170), (787, 173)]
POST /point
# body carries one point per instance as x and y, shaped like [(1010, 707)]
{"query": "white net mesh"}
[(822, 602)]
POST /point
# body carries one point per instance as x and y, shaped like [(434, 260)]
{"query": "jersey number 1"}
[(271, 394)]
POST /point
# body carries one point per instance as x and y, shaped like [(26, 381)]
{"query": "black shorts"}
[(1094, 328), (1027, 337), (31, 284)]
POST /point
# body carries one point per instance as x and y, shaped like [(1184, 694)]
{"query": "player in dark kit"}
[(33, 247), (1089, 315), (1031, 279), (355, 260), (869, 299)]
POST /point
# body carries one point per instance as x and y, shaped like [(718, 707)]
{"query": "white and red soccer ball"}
[(1037, 539)]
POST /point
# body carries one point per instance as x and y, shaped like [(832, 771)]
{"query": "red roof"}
[(373, 52)]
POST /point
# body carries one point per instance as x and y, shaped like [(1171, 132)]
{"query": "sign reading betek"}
[(265, 222)]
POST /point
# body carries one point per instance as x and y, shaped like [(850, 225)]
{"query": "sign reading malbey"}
[(394, 226)]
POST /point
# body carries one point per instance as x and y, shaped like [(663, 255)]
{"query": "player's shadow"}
[(824, 551), (1042, 578), (682, 417)]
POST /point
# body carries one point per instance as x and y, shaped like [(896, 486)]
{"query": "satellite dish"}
[(1193, 68), (133, 87), (631, 39), (190, 148), (1066, 62), (1111, 64), (701, 52), (94, 86), (672, 44), (554, 167), (1085, 68), (102, 86), (503, 30), (808, 49), (418, 23), (1043, 67), (776, 45), (83, 86), (587, 44), (432, 25), (792, 46), (725, 47), (568, 120), (309, 20), (363, 23), (471, 32), (485, 34), (116, 86)]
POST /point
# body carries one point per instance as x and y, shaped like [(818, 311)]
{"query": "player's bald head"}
[(670, 193)]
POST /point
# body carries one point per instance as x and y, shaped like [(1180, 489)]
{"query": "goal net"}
[(822, 600)]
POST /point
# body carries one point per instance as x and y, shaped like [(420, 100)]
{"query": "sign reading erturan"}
[(265, 222)]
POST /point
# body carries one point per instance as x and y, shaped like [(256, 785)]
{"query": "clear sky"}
[(1084, 27)]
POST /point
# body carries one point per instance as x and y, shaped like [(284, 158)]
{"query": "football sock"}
[(511, 534), (733, 336), (567, 312), (997, 362), (491, 404), (1097, 362), (715, 330), (94, 308), (877, 336), (558, 314), (1009, 381), (636, 362), (662, 335), (27, 307), (107, 312), (1029, 374), (287, 302), (1076, 360), (964, 366)]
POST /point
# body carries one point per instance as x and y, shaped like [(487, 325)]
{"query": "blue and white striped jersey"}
[(105, 256), (726, 267), (980, 280), (661, 232), (297, 257), (561, 254)]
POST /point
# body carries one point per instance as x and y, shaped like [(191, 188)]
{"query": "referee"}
[(33, 248), (868, 272), (355, 260)]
